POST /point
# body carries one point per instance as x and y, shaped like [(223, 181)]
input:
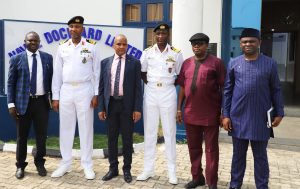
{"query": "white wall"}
[(196, 16), (212, 22), (100, 12)]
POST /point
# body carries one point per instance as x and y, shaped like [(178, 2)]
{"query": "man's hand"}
[(55, 105), (13, 112), (102, 115), (226, 123), (220, 120), (94, 102), (179, 117), (136, 116), (276, 121)]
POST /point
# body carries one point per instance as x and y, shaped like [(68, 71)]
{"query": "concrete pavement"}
[(284, 159)]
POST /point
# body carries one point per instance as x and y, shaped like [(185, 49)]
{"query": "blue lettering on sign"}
[(108, 41), (128, 48), (91, 33), (62, 33), (98, 35), (55, 35), (48, 37), (83, 33), (19, 50), (134, 51)]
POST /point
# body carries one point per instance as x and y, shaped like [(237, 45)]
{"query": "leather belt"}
[(117, 97), (36, 96)]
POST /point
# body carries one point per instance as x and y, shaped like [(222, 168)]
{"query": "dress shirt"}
[(161, 66), (113, 73)]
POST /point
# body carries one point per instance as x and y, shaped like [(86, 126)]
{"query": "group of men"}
[(78, 82)]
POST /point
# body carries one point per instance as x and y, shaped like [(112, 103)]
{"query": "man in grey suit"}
[(28, 94), (120, 104)]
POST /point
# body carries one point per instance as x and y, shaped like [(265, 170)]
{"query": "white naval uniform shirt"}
[(161, 66), (75, 64)]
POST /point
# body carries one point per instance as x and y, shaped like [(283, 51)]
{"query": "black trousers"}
[(37, 113), (119, 122)]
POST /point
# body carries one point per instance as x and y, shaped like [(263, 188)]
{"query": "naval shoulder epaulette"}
[(91, 41), (174, 49), (64, 41)]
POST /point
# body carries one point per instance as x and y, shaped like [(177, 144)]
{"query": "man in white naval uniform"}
[(160, 65), (75, 89)]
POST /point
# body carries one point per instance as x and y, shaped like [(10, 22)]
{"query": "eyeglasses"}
[(199, 43)]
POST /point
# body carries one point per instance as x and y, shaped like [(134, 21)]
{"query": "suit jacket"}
[(18, 83), (132, 91)]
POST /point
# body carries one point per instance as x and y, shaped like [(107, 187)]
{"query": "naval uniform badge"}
[(170, 62), (84, 60), (85, 53)]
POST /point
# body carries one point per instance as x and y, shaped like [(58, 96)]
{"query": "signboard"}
[(53, 33)]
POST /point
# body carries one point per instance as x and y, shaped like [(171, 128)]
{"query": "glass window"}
[(133, 13), (150, 37), (171, 12), (154, 12)]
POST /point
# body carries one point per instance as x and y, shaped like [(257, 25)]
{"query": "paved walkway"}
[(284, 166)]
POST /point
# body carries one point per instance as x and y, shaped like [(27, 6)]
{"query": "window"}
[(150, 37), (147, 14), (133, 13), (154, 12)]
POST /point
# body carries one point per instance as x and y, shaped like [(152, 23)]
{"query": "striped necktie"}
[(117, 78)]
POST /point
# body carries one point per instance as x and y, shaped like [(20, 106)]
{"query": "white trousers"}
[(160, 102), (74, 105)]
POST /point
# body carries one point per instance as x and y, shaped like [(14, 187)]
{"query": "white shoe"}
[(173, 179), (144, 176), (89, 173), (60, 171)]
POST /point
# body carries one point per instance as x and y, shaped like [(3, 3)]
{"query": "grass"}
[(100, 141)]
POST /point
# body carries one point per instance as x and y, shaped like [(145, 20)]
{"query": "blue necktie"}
[(33, 75), (117, 78)]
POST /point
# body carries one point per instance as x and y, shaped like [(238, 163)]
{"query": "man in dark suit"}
[(120, 104), (28, 90)]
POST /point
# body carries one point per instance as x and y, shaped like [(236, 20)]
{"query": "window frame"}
[(144, 23)]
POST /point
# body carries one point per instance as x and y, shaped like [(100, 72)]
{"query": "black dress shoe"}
[(194, 184), (19, 173), (110, 175), (41, 170), (127, 176)]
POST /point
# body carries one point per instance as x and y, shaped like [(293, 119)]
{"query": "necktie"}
[(117, 78), (33, 75)]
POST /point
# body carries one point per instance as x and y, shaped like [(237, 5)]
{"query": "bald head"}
[(120, 44)]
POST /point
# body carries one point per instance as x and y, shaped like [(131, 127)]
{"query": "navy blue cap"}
[(161, 26), (76, 20), (250, 32)]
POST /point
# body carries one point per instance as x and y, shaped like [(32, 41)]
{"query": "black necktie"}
[(33, 75), (117, 78)]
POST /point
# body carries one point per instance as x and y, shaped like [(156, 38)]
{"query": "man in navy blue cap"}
[(251, 88), (75, 90), (161, 64)]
